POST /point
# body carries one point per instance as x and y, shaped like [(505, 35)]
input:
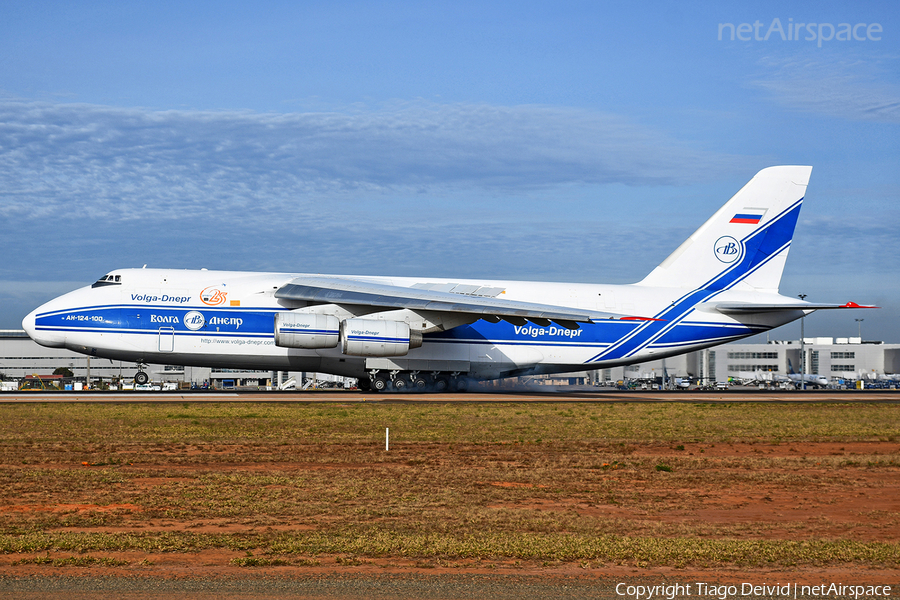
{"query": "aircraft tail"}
[(745, 244)]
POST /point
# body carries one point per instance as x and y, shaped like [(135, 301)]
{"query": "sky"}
[(568, 141)]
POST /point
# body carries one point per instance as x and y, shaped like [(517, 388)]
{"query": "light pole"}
[(859, 328), (802, 349)]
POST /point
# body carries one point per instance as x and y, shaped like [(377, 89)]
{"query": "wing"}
[(336, 290), (750, 307)]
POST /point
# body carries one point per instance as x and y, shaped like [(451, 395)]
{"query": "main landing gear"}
[(414, 381)]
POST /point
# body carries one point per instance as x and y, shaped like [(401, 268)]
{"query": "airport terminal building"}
[(838, 359)]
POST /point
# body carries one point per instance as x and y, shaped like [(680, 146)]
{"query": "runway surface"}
[(544, 394)]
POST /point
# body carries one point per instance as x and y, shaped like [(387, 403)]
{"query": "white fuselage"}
[(225, 319)]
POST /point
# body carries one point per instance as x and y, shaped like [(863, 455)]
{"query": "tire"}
[(141, 378), (400, 384), (441, 384), (379, 384), (461, 384), (419, 384)]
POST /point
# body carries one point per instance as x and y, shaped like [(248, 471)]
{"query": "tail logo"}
[(728, 249)]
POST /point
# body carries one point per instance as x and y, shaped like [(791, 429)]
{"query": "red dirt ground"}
[(871, 500)]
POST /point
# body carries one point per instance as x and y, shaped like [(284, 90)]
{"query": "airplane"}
[(426, 333), (759, 377), (807, 378), (771, 378)]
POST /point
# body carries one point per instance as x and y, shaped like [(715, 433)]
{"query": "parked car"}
[(146, 387)]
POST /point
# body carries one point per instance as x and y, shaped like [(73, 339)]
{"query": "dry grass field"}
[(151, 488)]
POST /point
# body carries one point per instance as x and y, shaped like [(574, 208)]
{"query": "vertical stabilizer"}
[(746, 243)]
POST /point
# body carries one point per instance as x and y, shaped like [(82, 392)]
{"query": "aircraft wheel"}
[(141, 378), (461, 384), (419, 384), (400, 384), (363, 384), (379, 384), (441, 384)]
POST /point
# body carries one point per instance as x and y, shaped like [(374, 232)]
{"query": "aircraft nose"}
[(44, 338), (28, 323)]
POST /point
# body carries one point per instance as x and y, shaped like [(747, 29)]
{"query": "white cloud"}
[(852, 90), (102, 162)]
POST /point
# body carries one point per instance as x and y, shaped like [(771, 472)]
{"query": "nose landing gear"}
[(141, 378)]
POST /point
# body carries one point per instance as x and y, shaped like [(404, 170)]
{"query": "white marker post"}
[(387, 439)]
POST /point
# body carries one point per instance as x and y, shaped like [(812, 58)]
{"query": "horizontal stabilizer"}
[(749, 307), (334, 290)]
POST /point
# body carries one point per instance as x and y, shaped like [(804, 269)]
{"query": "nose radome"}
[(50, 339), (28, 323)]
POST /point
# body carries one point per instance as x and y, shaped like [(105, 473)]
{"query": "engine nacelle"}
[(304, 330), (366, 337)]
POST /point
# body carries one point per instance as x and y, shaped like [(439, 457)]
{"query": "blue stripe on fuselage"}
[(597, 336), (122, 319), (142, 318)]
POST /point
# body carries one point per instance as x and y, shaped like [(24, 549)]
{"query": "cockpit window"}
[(108, 280)]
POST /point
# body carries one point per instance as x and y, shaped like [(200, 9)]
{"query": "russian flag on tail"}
[(751, 216)]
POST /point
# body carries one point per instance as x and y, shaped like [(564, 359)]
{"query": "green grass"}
[(94, 425), (611, 549)]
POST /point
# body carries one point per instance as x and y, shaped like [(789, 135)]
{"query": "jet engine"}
[(365, 337), (304, 330)]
